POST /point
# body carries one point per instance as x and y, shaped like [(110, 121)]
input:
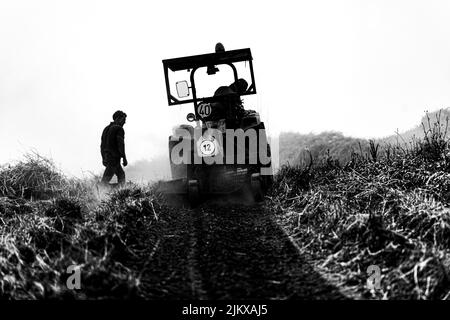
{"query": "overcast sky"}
[(364, 68)]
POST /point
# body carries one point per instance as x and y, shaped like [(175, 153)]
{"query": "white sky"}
[(361, 67)]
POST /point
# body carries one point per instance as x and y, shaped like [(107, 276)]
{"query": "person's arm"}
[(121, 145), (103, 145)]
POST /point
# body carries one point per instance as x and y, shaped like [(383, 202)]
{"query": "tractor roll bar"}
[(205, 60)]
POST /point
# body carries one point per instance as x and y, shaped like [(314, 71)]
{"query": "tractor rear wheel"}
[(193, 192), (256, 187)]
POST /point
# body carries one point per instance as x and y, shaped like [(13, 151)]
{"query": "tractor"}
[(227, 150)]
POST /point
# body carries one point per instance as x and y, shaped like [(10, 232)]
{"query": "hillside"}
[(433, 120), (296, 148)]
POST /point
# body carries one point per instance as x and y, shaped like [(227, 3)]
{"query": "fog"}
[(364, 68)]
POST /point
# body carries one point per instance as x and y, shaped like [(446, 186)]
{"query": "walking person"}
[(112, 149)]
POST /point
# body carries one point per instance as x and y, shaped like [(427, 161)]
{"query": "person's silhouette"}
[(112, 148)]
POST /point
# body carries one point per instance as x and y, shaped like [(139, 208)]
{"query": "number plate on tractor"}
[(204, 110), (207, 147)]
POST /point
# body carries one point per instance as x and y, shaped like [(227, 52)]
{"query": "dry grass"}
[(389, 206), (36, 177), (49, 222)]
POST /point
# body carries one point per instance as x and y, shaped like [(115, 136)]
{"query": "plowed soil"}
[(225, 250)]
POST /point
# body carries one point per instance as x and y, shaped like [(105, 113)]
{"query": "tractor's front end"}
[(227, 149)]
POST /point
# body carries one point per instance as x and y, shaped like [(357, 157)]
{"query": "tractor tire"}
[(256, 187), (193, 193)]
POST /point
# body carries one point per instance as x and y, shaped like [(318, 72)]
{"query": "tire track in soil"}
[(165, 266), (197, 282), (244, 254), (225, 250)]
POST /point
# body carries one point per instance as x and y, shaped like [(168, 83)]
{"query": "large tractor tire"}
[(256, 187), (193, 192)]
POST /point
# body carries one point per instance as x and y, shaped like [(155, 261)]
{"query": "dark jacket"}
[(113, 142)]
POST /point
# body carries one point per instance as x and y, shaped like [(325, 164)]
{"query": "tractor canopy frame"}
[(209, 60)]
